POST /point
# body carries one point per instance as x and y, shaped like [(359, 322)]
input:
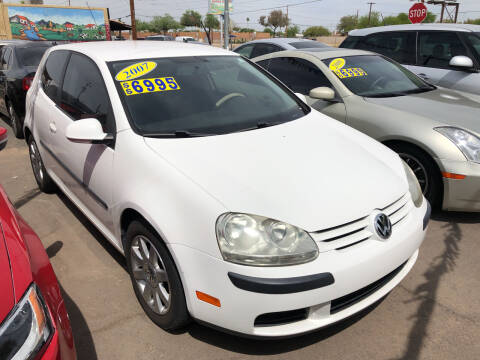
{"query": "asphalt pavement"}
[(433, 314)]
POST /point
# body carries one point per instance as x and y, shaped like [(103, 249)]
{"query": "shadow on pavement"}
[(26, 198), (426, 292), (119, 258), (457, 217), (82, 336), (272, 347)]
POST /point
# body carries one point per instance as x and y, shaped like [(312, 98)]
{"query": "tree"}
[(431, 18), (211, 22), (374, 20), (268, 30), (292, 31), (163, 24), (276, 19), (473, 21), (314, 31), (143, 25), (347, 23), (191, 18)]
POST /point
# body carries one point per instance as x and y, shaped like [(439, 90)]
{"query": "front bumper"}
[(461, 195), (352, 269)]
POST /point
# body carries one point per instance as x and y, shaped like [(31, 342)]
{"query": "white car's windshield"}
[(201, 95), (375, 76), (475, 41)]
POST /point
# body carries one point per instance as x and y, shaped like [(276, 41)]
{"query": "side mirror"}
[(461, 62), (87, 131), (322, 93), (301, 97), (3, 138)]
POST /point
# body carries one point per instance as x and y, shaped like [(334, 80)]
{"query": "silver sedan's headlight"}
[(260, 241), (466, 142), (413, 186), (26, 329)]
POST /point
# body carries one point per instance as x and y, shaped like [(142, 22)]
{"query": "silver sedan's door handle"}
[(53, 128)]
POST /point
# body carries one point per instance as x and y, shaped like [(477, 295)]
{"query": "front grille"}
[(355, 232), (281, 318), (353, 298)]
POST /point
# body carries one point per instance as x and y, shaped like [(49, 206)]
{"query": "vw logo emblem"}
[(383, 226)]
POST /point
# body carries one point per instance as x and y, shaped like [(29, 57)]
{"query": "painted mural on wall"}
[(49, 23)]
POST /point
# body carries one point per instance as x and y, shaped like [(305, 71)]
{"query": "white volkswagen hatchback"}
[(233, 201)]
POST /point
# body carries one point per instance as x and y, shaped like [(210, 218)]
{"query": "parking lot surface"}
[(433, 314)]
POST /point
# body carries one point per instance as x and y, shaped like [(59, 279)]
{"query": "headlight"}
[(26, 329), (259, 241), (466, 142), (413, 186)]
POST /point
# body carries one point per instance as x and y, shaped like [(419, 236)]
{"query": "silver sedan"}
[(435, 130)]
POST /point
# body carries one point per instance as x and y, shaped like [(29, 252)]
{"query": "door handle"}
[(53, 128), (423, 76)]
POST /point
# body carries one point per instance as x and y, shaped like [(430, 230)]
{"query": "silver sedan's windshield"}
[(201, 95), (375, 76)]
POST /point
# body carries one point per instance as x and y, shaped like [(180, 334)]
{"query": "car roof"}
[(278, 41), (131, 49), (321, 53), (413, 27), (28, 44)]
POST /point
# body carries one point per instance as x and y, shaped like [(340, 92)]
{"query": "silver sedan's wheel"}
[(150, 275), (418, 169)]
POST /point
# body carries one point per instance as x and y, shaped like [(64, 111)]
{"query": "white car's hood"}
[(314, 172)]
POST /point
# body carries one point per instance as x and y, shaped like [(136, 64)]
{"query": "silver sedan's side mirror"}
[(461, 62), (87, 131), (322, 93)]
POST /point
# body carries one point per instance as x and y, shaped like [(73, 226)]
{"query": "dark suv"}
[(447, 55), (18, 64)]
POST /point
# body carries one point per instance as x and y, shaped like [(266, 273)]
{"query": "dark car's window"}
[(399, 46), (436, 48), (31, 56), (376, 76), (298, 74), (52, 73), (245, 50), (84, 94), (262, 49), (307, 44), (474, 40), (6, 56), (203, 95), (350, 42)]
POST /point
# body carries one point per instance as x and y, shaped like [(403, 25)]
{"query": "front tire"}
[(44, 181), (423, 166), (15, 122), (155, 278)]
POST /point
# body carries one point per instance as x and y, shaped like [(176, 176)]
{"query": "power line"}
[(279, 6)]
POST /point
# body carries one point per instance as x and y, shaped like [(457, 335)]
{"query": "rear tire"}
[(44, 181), (155, 278), (425, 169), (15, 122)]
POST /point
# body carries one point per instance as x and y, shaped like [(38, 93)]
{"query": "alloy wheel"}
[(150, 275), (36, 161), (418, 169)]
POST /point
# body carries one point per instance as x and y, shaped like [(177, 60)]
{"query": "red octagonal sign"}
[(417, 13)]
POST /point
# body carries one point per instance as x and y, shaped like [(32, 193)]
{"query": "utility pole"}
[(226, 24), (370, 12), (132, 17)]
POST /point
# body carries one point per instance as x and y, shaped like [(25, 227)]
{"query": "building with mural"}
[(54, 23)]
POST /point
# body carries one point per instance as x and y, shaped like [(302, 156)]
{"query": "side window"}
[(262, 49), (435, 49), (83, 93), (52, 73), (399, 46), (6, 55), (245, 50), (351, 42), (264, 63), (474, 41), (298, 74)]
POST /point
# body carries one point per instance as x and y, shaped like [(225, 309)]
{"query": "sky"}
[(321, 12)]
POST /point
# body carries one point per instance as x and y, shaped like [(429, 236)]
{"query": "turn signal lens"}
[(453, 176), (208, 299)]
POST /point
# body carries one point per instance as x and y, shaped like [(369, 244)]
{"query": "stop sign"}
[(417, 13)]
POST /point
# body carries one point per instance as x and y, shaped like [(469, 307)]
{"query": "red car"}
[(33, 320)]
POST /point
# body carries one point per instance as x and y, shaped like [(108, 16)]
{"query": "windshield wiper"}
[(401, 93), (261, 125), (178, 134)]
